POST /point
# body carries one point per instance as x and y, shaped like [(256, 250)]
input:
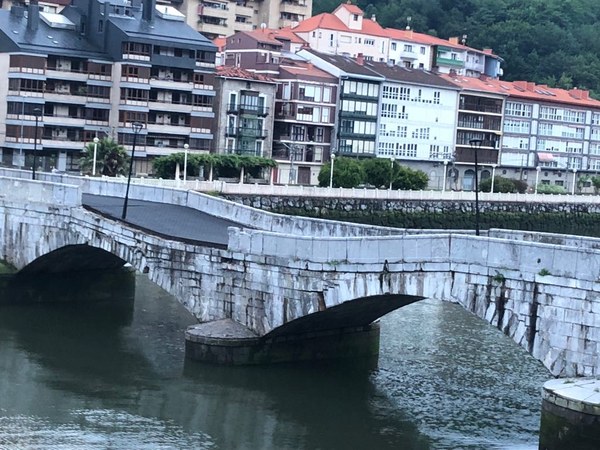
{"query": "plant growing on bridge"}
[(544, 272), (111, 158)]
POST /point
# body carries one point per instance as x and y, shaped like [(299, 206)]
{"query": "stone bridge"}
[(305, 288)]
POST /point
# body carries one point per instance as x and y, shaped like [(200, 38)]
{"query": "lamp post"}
[(137, 127), (36, 112), (574, 180), (186, 147), (493, 177), (537, 177), (96, 140), (292, 177), (476, 145), (331, 171), (445, 175), (392, 159)]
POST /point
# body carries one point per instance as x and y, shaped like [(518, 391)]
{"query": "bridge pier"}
[(227, 342)]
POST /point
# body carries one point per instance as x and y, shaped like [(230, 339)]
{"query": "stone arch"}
[(73, 258), (355, 313)]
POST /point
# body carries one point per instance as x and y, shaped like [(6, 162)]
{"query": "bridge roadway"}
[(173, 222)]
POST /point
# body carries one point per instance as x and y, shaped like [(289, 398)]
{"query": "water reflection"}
[(108, 375)]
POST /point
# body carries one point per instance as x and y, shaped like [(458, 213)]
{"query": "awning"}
[(545, 157)]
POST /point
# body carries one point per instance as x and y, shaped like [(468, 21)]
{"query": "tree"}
[(111, 158), (347, 173), (405, 178), (378, 172)]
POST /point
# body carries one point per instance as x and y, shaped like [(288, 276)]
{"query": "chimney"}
[(17, 10), (33, 15), (530, 86), (484, 77), (148, 7), (360, 59), (453, 40), (452, 72), (374, 18)]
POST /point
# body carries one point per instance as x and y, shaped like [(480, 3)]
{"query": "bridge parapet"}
[(543, 295)]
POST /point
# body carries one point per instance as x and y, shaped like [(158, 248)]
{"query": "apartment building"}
[(357, 104), (417, 119), (222, 18), (244, 105), (304, 121), (95, 69)]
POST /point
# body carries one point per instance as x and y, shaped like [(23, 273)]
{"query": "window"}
[(369, 41), (393, 46), (389, 110), (355, 17), (408, 48), (518, 109), (100, 26), (390, 92), (436, 97), (551, 113), (422, 50)]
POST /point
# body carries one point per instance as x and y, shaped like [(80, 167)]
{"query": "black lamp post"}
[(36, 112), (476, 145), (137, 127)]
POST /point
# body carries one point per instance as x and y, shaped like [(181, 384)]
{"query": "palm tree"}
[(111, 158)]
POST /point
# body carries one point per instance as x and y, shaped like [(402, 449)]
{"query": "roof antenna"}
[(463, 41), (408, 19), (263, 26)]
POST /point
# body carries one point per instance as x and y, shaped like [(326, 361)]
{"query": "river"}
[(112, 375)]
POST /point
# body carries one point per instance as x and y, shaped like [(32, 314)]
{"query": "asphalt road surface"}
[(170, 221)]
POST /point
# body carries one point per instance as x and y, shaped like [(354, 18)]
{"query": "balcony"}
[(246, 132), (254, 110), (212, 28), (484, 155), (213, 10), (293, 7), (408, 55), (449, 62)]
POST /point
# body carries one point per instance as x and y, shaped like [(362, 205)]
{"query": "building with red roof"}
[(547, 135), (347, 32)]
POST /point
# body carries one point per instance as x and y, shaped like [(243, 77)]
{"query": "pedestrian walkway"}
[(169, 221)]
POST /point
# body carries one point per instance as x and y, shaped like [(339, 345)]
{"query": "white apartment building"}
[(345, 32), (417, 119)]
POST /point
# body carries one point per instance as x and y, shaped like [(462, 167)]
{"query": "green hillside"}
[(552, 42)]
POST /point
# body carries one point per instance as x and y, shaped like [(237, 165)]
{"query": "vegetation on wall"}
[(550, 42)]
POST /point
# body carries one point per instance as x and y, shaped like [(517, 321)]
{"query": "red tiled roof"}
[(238, 72), (527, 90), (305, 68), (262, 36), (329, 21), (323, 20), (352, 9), (220, 42), (286, 33)]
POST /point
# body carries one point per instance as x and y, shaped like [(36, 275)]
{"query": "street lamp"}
[(493, 178), (96, 140), (186, 147), (574, 180), (537, 177), (137, 127), (36, 112), (445, 175), (331, 171), (476, 145), (392, 159)]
